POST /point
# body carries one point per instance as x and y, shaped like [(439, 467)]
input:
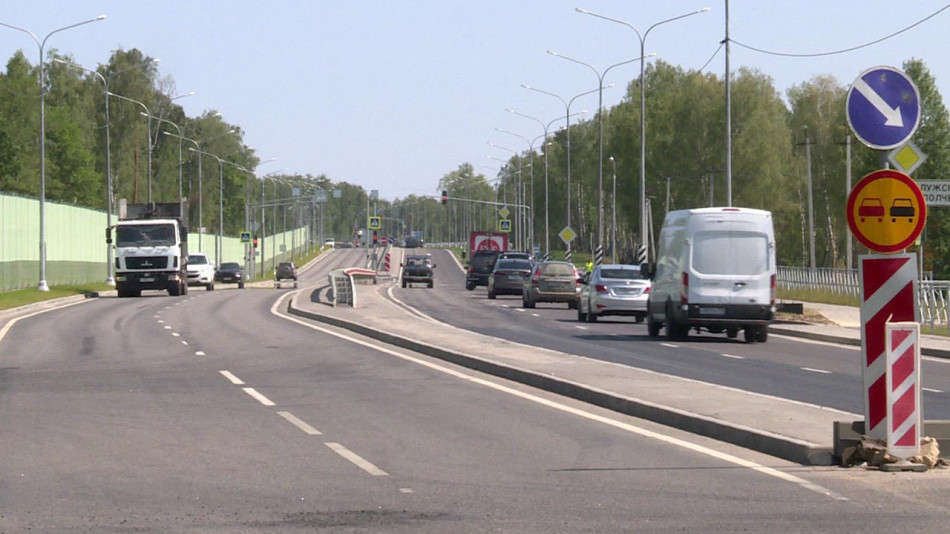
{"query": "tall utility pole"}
[(811, 211)]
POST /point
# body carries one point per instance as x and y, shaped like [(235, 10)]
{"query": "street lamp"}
[(547, 224), (613, 232), (518, 202), (600, 159), (110, 266), (149, 132), (180, 191), (200, 189), (643, 110), (567, 117), (42, 285)]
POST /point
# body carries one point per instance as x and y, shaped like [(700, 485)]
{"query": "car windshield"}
[(557, 269), (620, 274), (197, 260), (230, 266), (145, 235), (519, 265), (285, 266)]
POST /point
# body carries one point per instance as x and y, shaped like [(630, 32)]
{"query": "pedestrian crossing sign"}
[(375, 223), (504, 225)]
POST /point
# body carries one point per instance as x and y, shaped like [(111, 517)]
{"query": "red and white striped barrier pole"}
[(386, 263), (903, 389), (888, 294)]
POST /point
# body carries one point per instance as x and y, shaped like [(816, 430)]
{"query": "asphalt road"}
[(215, 412), (793, 368)]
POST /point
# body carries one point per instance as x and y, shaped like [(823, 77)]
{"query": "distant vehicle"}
[(286, 270), (715, 270), (417, 270), (871, 207), (230, 272), (551, 281), (330, 242), (508, 276), (200, 271), (480, 265), (613, 290), (414, 242), (902, 207), (514, 255)]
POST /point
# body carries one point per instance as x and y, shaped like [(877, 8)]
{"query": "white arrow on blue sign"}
[(883, 108)]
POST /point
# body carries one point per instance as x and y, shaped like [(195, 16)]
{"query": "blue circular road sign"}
[(883, 108)]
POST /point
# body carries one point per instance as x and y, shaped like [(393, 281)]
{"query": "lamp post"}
[(546, 127), (643, 110), (518, 203), (200, 199), (567, 118), (600, 158), (178, 128), (149, 131), (110, 265), (613, 227), (42, 285), (530, 225)]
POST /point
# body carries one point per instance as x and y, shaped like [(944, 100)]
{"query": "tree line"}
[(685, 159)]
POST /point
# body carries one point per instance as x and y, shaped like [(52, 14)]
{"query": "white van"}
[(715, 270)]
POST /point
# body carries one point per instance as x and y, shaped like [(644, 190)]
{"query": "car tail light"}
[(646, 290), (601, 288), (684, 299), (536, 277)]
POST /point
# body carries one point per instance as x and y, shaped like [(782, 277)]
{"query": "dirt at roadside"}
[(809, 317)]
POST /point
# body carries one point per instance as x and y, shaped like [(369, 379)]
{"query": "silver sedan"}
[(613, 290)]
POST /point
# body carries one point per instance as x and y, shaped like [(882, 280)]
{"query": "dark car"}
[(417, 270), (551, 281), (230, 273), (480, 266), (508, 276), (414, 242), (286, 270)]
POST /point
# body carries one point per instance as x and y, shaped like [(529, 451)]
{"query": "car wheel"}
[(469, 286), (403, 283), (240, 285), (581, 316), (639, 318), (210, 287), (491, 294), (591, 316), (430, 284)]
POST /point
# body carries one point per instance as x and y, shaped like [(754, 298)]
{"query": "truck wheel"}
[(674, 330), (762, 333), (750, 334), (175, 290)]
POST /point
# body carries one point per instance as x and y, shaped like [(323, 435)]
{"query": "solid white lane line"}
[(733, 356), (260, 398), (819, 371), (356, 460), (6, 328), (300, 424), (234, 380), (699, 449)]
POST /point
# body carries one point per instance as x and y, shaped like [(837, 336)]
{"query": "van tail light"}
[(536, 277), (601, 288), (684, 299), (772, 290)]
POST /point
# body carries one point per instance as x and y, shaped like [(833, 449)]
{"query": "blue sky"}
[(393, 95)]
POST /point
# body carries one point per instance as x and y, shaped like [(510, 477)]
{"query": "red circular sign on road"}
[(886, 211)]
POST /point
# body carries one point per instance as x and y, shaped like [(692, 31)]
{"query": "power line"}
[(853, 48)]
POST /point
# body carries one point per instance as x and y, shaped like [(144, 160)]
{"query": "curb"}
[(775, 445)]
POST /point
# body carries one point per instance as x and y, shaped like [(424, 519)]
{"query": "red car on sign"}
[(871, 207)]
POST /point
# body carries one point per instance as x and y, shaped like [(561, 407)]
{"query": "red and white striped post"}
[(903, 389), (386, 263), (888, 294)]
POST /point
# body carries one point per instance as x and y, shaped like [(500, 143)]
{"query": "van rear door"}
[(730, 267)]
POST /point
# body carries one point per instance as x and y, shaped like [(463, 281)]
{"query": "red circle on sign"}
[(879, 211)]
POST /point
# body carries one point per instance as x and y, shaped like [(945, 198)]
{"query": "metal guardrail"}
[(934, 295)]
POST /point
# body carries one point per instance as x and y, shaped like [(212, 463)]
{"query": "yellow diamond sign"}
[(907, 158), (567, 235)]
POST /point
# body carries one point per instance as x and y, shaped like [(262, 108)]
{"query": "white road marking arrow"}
[(892, 116)]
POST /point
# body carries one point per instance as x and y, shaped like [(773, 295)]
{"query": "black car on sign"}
[(480, 266), (230, 273)]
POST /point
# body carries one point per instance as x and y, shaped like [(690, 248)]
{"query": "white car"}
[(613, 290), (200, 271)]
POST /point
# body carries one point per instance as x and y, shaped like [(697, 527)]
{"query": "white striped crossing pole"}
[(888, 294), (903, 389)]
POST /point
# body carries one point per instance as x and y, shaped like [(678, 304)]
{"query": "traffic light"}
[(445, 197), (255, 241), (375, 237)]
